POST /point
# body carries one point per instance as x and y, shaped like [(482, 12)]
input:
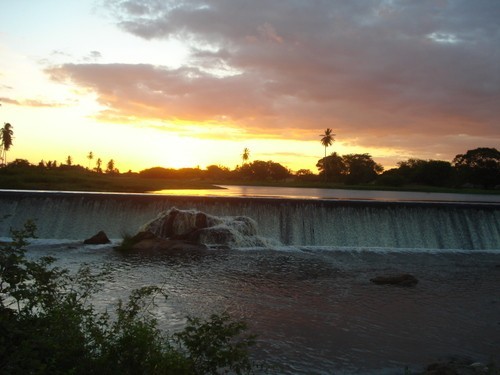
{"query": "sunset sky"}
[(193, 82)]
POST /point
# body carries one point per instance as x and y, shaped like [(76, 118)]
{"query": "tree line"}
[(477, 168)]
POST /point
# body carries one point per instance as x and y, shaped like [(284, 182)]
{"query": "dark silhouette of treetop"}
[(6, 135), (327, 138), (479, 166), (246, 155), (90, 156)]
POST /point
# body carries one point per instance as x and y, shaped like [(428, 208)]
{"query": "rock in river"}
[(403, 279), (98, 239)]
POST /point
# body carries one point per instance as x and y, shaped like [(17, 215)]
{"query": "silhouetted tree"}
[(480, 166), (90, 156), (158, 172), (332, 168), (408, 170), (69, 160), (258, 170), (351, 169), (189, 173), (20, 164), (218, 172), (277, 172), (327, 138), (305, 175), (246, 155), (263, 170), (110, 168), (435, 173), (361, 168), (391, 177), (98, 165), (7, 135)]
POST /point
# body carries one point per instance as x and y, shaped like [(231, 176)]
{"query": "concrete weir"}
[(294, 222)]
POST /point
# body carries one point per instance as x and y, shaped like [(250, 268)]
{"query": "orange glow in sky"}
[(148, 84)]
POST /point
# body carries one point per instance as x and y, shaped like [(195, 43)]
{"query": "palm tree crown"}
[(6, 136), (90, 156), (245, 155), (327, 138)]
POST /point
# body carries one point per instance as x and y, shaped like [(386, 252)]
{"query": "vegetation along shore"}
[(476, 171)]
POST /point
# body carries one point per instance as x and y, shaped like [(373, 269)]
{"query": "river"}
[(337, 194), (309, 299)]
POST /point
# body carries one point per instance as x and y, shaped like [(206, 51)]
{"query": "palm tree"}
[(6, 135), (246, 155), (90, 156), (98, 164), (327, 138)]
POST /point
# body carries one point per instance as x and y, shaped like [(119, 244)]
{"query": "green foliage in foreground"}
[(49, 326)]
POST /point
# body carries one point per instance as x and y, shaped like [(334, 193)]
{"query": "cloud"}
[(9, 101), (382, 73), (31, 103), (92, 56)]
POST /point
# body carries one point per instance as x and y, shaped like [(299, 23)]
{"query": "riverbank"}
[(79, 179), (83, 180)]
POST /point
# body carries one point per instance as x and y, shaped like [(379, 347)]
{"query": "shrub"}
[(48, 325)]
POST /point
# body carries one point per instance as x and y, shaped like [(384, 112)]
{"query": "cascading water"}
[(358, 224), (311, 303), (202, 228)]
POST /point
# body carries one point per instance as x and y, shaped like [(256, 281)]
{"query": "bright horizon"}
[(193, 83)]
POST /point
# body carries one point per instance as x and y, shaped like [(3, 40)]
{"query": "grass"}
[(70, 180)]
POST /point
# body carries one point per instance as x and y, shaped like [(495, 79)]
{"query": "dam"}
[(309, 300), (292, 222)]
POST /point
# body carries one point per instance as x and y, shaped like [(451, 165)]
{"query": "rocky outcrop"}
[(201, 228), (190, 230), (399, 279), (98, 239), (143, 241)]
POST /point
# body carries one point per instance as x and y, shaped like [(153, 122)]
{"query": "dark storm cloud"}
[(426, 70)]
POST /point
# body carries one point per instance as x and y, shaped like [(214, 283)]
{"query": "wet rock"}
[(98, 239), (212, 236), (147, 241), (141, 236), (457, 367), (400, 280), (165, 245), (201, 228), (179, 224)]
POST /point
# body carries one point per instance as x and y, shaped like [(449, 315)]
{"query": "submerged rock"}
[(400, 279), (98, 239), (458, 367)]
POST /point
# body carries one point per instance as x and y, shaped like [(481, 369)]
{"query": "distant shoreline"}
[(78, 179)]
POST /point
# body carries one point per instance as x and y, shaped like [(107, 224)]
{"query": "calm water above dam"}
[(338, 194), (308, 295)]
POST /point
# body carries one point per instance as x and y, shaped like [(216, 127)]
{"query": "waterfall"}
[(294, 222)]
